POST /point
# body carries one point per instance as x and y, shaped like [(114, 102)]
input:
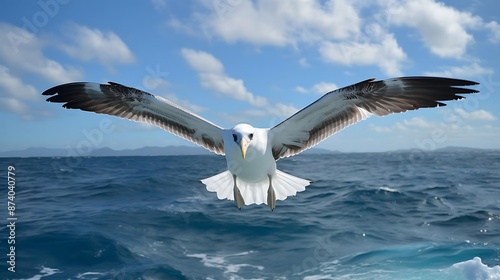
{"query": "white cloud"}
[(472, 70), (380, 129), (348, 33), (479, 115), (93, 44), (16, 96), (319, 88), (283, 110), (280, 23), (417, 122), (385, 53), (23, 51), (273, 114), (303, 62), (212, 76), (14, 87), (160, 86), (334, 27), (15, 105), (324, 87), (407, 125), (301, 89), (203, 62), (444, 29), (159, 4), (494, 28)]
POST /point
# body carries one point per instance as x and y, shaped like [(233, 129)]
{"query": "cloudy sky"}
[(237, 61)]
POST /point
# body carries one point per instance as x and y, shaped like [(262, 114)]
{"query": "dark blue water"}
[(367, 216)]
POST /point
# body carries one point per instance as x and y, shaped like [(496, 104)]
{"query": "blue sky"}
[(234, 61)]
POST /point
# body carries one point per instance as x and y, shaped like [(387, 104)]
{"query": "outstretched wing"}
[(346, 106), (133, 104)]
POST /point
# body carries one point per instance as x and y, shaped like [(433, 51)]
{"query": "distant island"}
[(107, 152), (169, 151), (450, 149)]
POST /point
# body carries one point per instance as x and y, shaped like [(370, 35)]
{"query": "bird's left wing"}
[(346, 106), (130, 103)]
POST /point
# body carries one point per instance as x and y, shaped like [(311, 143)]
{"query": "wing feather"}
[(136, 105), (346, 106)]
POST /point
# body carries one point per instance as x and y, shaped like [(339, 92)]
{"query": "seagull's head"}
[(242, 135)]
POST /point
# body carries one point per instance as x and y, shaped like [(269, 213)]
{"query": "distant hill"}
[(106, 152), (152, 151), (458, 149), (314, 151), (445, 149), (35, 152)]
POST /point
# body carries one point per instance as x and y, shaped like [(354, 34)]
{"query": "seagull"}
[(251, 153)]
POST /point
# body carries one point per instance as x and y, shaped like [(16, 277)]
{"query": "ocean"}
[(409, 215)]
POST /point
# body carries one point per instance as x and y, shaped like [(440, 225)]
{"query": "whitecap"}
[(44, 272), (86, 275), (475, 269), (387, 189), (223, 263), (318, 277)]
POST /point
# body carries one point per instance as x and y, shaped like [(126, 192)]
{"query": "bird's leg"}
[(237, 195), (271, 195)]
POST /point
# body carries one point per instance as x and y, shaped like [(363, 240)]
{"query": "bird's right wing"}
[(133, 104)]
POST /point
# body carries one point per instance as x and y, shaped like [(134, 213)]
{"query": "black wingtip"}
[(452, 82), (61, 93), (51, 91), (58, 88)]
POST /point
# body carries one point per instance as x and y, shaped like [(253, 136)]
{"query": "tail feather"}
[(222, 184), (256, 192), (286, 185), (253, 193)]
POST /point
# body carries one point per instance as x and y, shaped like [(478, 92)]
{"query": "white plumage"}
[(251, 153)]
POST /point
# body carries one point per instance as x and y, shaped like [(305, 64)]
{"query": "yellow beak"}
[(244, 145)]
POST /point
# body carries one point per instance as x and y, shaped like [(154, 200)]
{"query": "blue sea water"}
[(407, 215)]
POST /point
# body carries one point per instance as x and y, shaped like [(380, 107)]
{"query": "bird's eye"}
[(250, 136), (235, 137)]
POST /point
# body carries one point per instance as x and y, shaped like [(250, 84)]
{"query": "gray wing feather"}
[(346, 106), (130, 103)]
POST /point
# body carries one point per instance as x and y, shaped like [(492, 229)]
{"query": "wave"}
[(433, 262)]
